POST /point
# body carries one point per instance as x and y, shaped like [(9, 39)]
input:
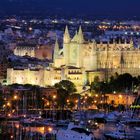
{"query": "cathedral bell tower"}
[(66, 46), (80, 36), (79, 46), (56, 50), (66, 38)]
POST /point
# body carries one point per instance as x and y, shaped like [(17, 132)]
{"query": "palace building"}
[(80, 61), (32, 50)]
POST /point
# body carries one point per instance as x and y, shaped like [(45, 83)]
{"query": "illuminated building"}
[(123, 99), (80, 61), (44, 52), (40, 51), (25, 49)]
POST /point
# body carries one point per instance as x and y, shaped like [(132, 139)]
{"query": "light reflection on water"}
[(15, 131)]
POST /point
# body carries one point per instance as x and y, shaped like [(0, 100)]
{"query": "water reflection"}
[(16, 131)]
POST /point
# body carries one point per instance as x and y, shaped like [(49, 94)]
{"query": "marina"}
[(47, 129)]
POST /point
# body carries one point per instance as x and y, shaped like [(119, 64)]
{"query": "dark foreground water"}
[(105, 128), (16, 131)]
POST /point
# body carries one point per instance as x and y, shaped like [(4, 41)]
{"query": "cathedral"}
[(101, 59), (80, 61)]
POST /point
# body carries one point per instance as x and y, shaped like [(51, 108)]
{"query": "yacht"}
[(137, 128), (74, 132), (119, 134), (131, 121)]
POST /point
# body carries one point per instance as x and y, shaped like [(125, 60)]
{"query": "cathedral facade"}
[(81, 61), (102, 57)]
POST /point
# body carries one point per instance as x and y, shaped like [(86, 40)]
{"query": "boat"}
[(62, 123), (119, 134), (74, 132), (112, 117), (131, 121), (92, 124), (137, 128), (99, 118)]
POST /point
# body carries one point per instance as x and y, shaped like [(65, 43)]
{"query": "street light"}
[(9, 104), (15, 97), (54, 96), (4, 106), (120, 96), (96, 95), (68, 100), (95, 101)]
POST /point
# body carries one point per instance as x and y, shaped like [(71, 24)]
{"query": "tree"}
[(66, 85), (122, 82), (1, 100), (116, 83), (95, 86), (62, 98), (65, 88)]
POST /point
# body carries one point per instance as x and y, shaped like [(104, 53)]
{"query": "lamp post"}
[(54, 98), (8, 104), (16, 99)]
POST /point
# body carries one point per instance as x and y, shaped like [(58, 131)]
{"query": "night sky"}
[(126, 8)]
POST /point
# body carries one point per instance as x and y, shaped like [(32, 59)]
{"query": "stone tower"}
[(66, 45), (80, 35), (56, 49), (66, 38)]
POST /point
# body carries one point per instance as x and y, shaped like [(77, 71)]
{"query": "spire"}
[(66, 35), (108, 42), (75, 38), (119, 41), (80, 31), (131, 42), (56, 44), (114, 41), (80, 35), (56, 49), (94, 45), (125, 41), (101, 42), (66, 30)]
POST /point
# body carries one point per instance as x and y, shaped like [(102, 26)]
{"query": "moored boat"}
[(74, 132), (119, 134)]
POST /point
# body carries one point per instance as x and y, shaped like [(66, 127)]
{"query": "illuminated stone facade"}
[(80, 61), (123, 99), (44, 52), (40, 51), (120, 57), (25, 49), (30, 76)]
